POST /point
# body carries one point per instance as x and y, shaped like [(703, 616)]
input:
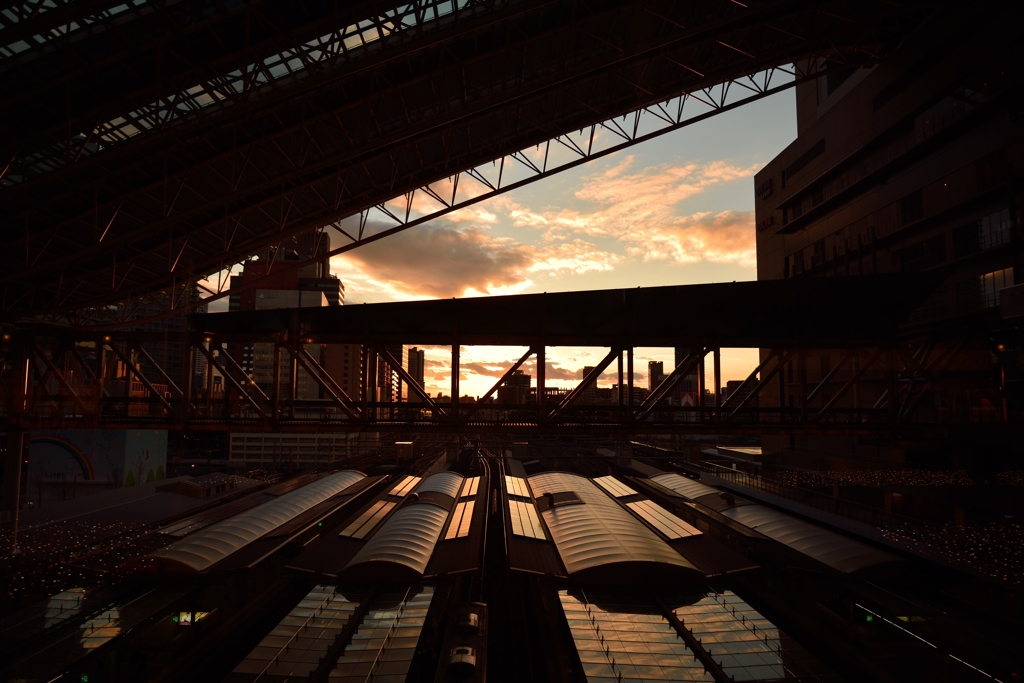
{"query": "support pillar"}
[(275, 388), (718, 383), (209, 390), (12, 482), (456, 364), (894, 371), (629, 379), (11, 501), (782, 390), (622, 388), (701, 380), (541, 366), (188, 366), (802, 370), (369, 381)]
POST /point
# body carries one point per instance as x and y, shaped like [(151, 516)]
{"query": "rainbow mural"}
[(88, 474)]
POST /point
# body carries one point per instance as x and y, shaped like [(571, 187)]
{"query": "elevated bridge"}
[(882, 382)]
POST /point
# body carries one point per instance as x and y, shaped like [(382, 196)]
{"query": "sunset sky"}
[(674, 210)]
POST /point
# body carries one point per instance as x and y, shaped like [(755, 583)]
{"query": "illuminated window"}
[(991, 283)]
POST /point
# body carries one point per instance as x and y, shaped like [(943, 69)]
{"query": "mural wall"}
[(121, 457)]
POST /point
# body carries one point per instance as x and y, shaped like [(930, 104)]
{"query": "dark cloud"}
[(440, 261), (487, 369)]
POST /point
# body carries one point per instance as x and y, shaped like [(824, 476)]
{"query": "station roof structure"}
[(205, 548), (839, 552), (146, 147), (401, 549), (848, 312), (598, 539)]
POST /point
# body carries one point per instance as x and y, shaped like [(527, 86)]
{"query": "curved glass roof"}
[(407, 540), (837, 551), (688, 488), (599, 532), (207, 547), (447, 483)]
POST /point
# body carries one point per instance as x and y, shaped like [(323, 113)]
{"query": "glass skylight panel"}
[(370, 518), (403, 487), (63, 606), (469, 487), (383, 646), (461, 519), (614, 487), (624, 640), (517, 486), (745, 643), (318, 53), (295, 646), (101, 629), (525, 521), (662, 520)]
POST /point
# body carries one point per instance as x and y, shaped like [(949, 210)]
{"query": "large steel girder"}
[(339, 150), (121, 61), (70, 128)]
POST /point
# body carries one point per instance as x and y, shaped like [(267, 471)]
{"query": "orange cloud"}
[(640, 209), (726, 237), (434, 261)]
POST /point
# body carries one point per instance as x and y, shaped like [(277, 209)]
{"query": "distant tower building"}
[(515, 390), (344, 363), (589, 392), (169, 352), (685, 393), (390, 386), (416, 368), (655, 374), (282, 286)]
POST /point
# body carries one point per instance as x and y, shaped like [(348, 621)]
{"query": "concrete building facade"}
[(912, 166)]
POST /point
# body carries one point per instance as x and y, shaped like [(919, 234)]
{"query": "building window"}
[(926, 254), (911, 208), (991, 283), (982, 234)]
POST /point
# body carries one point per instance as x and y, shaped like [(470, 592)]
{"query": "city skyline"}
[(690, 194)]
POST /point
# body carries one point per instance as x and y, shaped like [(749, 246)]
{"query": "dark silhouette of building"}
[(416, 368), (909, 166), (655, 374)]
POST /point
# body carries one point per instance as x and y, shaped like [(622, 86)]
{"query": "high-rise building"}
[(686, 392), (416, 369), (390, 386), (344, 363), (911, 166), (168, 352), (655, 374), (516, 389), (589, 392), (283, 286)]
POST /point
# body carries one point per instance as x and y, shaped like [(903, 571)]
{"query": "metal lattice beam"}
[(120, 224)]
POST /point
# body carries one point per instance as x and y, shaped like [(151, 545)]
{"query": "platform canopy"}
[(828, 547), (401, 549), (207, 547), (599, 540), (837, 551)]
